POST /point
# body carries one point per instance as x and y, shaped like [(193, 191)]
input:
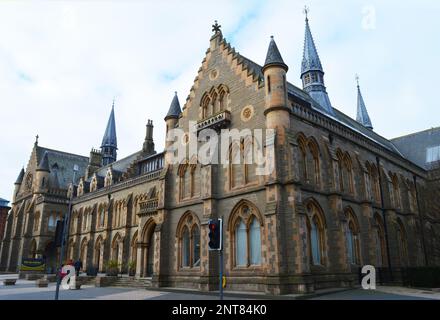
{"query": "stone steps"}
[(131, 283)]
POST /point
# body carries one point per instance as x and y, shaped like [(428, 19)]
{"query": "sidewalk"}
[(412, 292), (253, 295)]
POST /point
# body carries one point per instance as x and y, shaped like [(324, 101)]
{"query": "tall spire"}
[(109, 142), (273, 56), (311, 59), (362, 114), (174, 111), (312, 73)]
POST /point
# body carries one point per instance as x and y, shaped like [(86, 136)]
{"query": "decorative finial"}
[(306, 11), (36, 139), (357, 79), (113, 104), (175, 93), (216, 27), (271, 37)]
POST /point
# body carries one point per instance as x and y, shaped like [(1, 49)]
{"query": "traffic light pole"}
[(220, 252)]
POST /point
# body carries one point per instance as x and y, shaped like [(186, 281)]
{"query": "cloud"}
[(62, 63)]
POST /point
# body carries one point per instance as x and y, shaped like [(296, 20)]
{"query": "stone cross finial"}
[(36, 139), (216, 27), (357, 79)]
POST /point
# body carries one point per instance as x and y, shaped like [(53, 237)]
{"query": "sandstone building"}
[(340, 196)]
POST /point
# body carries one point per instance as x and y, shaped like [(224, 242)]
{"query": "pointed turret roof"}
[(44, 163), (174, 110), (273, 56), (310, 55), (109, 138), (362, 114), (20, 177)]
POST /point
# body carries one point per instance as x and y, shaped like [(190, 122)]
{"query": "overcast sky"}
[(61, 64)]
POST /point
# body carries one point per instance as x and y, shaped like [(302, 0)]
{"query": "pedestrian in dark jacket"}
[(78, 265)]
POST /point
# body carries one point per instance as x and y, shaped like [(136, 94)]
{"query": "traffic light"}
[(215, 234)]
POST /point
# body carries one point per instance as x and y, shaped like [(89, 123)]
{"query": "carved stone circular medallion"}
[(247, 113), (213, 74)]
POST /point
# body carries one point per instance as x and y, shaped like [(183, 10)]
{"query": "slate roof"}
[(273, 56), (61, 166), (119, 167), (4, 203), (414, 146), (20, 177), (174, 111)]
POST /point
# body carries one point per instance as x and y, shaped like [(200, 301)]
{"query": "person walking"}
[(78, 266)]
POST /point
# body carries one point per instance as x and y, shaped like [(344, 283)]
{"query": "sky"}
[(63, 62)]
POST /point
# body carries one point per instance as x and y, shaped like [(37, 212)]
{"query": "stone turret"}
[(17, 184), (171, 121), (276, 110), (42, 174)]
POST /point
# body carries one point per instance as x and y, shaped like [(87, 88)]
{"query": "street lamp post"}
[(65, 233)]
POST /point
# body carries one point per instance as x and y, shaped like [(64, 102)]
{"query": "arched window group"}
[(352, 236), (52, 220), (246, 236), (214, 101), (37, 221), (118, 214), (345, 170), (402, 243), (188, 188), (189, 241), (373, 178), (242, 163), (100, 221), (316, 233), (379, 239), (395, 192), (309, 163)]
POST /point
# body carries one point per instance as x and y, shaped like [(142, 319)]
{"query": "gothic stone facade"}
[(340, 196)]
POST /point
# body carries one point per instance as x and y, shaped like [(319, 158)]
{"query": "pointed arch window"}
[(255, 242), (246, 244), (302, 146), (241, 243), (379, 237), (188, 234), (316, 234), (396, 191), (214, 101), (195, 236), (352, 239), (186, 253), (402, 243)]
